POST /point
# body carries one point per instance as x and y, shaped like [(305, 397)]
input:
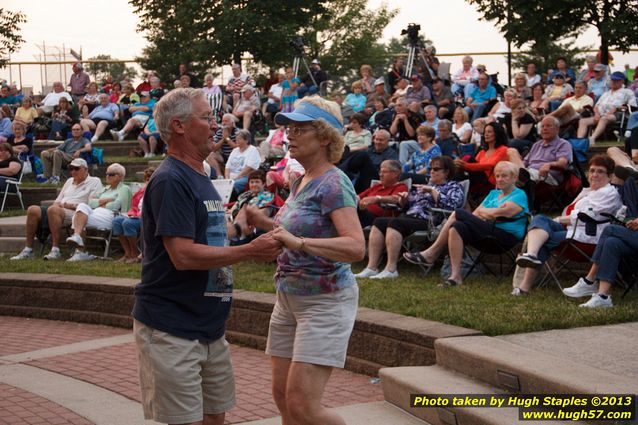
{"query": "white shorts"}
[(100, 218), (141, 118), (313, 328)]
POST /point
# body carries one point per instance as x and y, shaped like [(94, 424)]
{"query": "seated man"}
[(54, 159), (479, 98), (76, 190), (404, 125), (246, 106), (52, 99), (599, 84), (8, 103), (442, 97), (383, 192), (378, 94), (316, 75), (140, 113), (606, 108), (103, 117), (571, 107), (150, 140), (236, 83), (408, 147), (273, 104), (100, 210), (417, 92), (555, 93), (447, 141), (549, 157)]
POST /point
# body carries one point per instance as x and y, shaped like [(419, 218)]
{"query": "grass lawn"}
[(13, 212), (481, 303)]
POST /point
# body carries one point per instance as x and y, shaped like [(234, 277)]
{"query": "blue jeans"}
[(240, 184), (406, 149), (554, 105), (615, 242), (556, 231), (127, 226), (475, 113)]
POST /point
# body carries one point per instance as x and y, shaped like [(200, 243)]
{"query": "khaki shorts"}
[(68, 217), (313, 328), (182, 380)]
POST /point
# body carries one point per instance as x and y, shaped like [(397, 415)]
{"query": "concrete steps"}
[(111, 148)]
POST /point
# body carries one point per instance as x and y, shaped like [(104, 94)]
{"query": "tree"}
[(10, 38), (346, 37), (525, 21), (544, 55), (205, 33), (118, 71)]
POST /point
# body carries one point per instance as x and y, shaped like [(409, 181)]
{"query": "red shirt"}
[(379, 190), (485, 164)]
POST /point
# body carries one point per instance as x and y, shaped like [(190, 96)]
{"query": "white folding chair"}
[(12, 187), (224, 188)]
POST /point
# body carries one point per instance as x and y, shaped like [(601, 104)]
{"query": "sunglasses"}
[(436, 169), (111, 174)]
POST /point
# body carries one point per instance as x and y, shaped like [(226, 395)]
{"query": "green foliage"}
[(544, 55), (347, 36), (205, 33), (524, 21), (10, 38), (99, 71)]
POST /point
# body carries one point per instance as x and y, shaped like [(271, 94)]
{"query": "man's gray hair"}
[(393, 165), (431, 108), (402, 101), (554, 120), (102, 95), (384, 133), (176, 104), (445, 123), (79, 66), (208, 76), (231, 117)]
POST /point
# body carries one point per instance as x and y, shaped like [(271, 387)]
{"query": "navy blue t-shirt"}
[(191, 304)]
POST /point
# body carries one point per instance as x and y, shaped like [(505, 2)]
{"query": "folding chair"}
[(12, 187), (101, 235), (559, 196), (224, 188), (570, 251)]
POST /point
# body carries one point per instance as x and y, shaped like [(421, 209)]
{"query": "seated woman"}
[(418, 167), (100, 210), (64, 115), (90, 100), (545, 234), (520, 87), (10, 165), (274, 147), (461, 125), (239, 231), (464, 227), (150, 140), (520, 127), (370, 200), (357, 138), (481, 169), (536, 104), (20, 143), (388, 232), (555, 93), (502, 108), (116, 92), (616, 242), (282, 173), (127, 226), (381, 118), (367, 79), (356, 100), (26, 113), (243, 160)]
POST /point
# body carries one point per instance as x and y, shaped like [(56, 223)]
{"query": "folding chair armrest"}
[(612, 218), (389, 206), (446, 213), (587, 219)]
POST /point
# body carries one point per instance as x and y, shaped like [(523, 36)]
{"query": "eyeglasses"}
[(298, 131), (73, 168), (436, 169), (597, 171), (111, 174)]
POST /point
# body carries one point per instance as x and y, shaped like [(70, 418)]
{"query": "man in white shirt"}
[(273, 104), (78, 189), (531, 76)]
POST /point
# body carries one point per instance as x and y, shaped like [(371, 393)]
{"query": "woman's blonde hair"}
[(508, 166), (324, 130), (357, 85)]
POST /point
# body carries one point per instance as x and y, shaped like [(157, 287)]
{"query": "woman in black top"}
[(20, 143), (10, 166), (520, 127)]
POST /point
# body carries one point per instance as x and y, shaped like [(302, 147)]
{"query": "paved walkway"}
[(70, 373)]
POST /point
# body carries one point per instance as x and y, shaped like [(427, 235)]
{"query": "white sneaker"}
[(597, 301), (54, 180), (114, 134), (518, 292), (581, 289), (93, 139), (55, 254), (386, 275), (120, 136), (81, 256), (627, 134), (25, 254), (367, 272), (75, 239)]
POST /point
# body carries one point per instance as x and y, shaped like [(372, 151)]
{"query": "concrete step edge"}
[(508, 365)]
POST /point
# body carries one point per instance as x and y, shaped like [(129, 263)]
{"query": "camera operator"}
[(307, 84)]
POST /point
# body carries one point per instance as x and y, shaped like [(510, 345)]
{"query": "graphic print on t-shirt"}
[(220, 281)]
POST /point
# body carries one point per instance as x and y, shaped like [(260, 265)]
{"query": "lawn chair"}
[(12, 187)]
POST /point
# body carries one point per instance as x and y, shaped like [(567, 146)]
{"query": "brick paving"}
[(22, 407), (21, 335), (115, 368)]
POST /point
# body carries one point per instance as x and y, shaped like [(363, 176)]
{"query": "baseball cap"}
[(306, 112), (379, 81), (415, 77), (316, 62), (617, 76), (145, 93), (79, 162), (599, 67), (559, 75)]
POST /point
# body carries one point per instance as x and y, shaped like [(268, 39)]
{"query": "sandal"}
[(417, 258), (449, 283)]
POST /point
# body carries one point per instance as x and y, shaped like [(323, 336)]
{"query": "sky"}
[(109, 27)]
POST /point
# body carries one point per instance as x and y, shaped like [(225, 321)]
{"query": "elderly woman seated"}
[(464, 227), (418, 167), (243, 160), (127, 226), (10, 165), (100, 210), (546, 234), (370, 201), (389, 232)]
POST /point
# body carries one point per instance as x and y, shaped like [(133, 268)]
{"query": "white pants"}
[(100, 218)]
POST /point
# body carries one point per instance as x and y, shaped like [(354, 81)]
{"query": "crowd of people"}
[(425, 129)]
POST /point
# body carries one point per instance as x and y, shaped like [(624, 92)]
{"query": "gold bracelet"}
[(303, 243)]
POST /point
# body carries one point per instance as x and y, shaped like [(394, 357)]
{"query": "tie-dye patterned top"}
[(307, 213)]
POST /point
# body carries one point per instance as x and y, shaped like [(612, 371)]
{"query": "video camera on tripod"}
[(412, 31), (298, 44)]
